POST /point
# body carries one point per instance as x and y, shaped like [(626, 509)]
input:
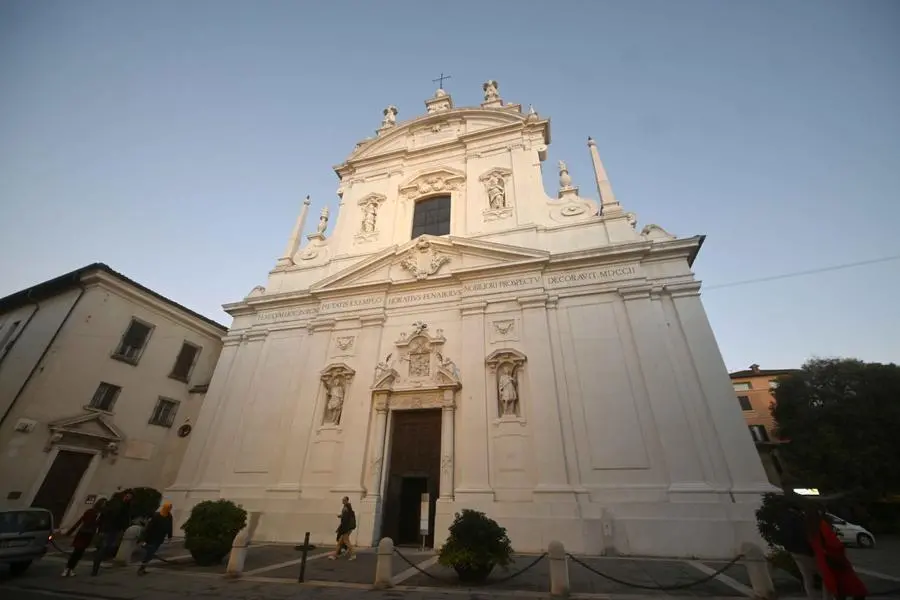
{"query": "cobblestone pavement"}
[(271, 572)]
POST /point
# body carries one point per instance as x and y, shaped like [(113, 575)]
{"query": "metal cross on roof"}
[(440, 80)]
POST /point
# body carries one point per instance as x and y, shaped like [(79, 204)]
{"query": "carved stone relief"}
[(335, 383), (440, 180), (420, 363), (496, 187), (504, 330), (344, 345), (423, 260), (507, 365)]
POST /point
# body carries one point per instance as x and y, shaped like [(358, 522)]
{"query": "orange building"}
[(754, 389)]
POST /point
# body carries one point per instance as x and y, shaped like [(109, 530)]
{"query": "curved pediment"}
[(471, 120)]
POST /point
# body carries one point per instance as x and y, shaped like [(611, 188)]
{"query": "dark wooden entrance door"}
[(415, 469), (61, 482)]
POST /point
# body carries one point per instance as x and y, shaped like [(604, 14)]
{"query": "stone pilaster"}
[(357, 410), (549, 449), (676, 438), (472, 457), (448, 413), (305, 418)]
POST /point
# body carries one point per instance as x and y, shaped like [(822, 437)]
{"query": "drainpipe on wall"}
[(12, 342), (49, 345)]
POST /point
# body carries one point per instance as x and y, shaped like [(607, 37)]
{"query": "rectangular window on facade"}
[(744, 401), (105, 396), (164, 413), (759, 433), (184, 362), (133, 342), (743, 386), (431, 216)]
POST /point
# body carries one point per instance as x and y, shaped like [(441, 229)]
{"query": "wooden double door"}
[(414, 470), (60, 483)]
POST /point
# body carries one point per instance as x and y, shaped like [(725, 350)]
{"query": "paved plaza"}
[(272, 570)]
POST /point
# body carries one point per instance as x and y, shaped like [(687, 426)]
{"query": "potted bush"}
[(475, 546), (210, 530)]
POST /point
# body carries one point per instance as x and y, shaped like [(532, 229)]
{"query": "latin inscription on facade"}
[(562, 279), (288, 314)]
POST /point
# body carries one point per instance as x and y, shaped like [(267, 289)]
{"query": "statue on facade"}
[(335, 400), (323, 221), (496, 190), (508, 392), (491, 91), (390, 116), (448, 365), (370, 214)]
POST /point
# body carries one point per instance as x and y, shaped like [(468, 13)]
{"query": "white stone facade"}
[(581, 392)]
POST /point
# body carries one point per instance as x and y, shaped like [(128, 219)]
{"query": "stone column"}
[(549, 451), (447, 444), (473, 457), (376, 465), (357, 409), (676, 438)]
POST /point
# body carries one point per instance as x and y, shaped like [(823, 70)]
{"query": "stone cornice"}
[(104, 280)]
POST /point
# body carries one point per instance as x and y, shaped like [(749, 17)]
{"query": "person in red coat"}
[(86, 527), (838, 576)]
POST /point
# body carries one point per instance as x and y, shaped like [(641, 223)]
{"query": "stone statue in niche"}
[(496, 189), (370, 214), (491, 91), (335, 400), (507, 388)]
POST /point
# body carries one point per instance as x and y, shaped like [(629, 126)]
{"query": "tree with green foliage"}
[(841, 418)]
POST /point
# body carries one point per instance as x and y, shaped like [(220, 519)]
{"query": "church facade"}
[(460, 339)]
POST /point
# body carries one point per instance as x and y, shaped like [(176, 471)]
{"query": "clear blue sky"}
[(175, 140)]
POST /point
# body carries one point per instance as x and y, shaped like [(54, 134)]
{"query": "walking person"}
[(839, 580), (86, 528), (794, 539), (158, 529), (114, 520), (345, 528)]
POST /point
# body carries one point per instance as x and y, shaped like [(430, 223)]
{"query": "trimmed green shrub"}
[(210, 530)]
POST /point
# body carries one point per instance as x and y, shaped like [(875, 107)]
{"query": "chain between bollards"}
[(457, 582), (640, 586)]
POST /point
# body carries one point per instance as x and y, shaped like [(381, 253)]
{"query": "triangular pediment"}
[(430, 258), (91, 424)]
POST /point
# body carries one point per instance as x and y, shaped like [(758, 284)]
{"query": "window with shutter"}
[(133, 342), (105, 397), (164, 412)]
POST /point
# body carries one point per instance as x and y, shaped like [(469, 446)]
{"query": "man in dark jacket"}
[(345, 528), (158, 528), (795, 540), (114, 520)]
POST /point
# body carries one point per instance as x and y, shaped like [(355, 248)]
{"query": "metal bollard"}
[(559, 570), (304, 551), (384, 573), (238, 555), (129, 542), (758, 571)]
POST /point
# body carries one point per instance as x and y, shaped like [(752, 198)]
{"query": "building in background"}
[(754, 389), (100, 380)]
